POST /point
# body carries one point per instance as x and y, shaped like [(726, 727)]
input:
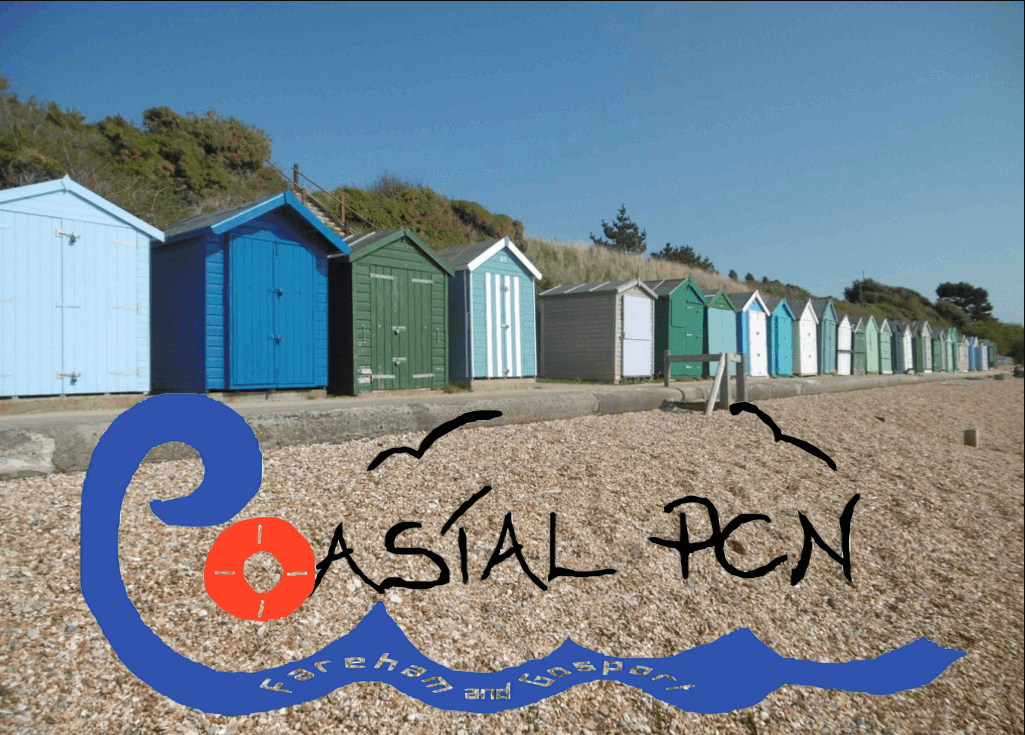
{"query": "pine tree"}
[(622, 235)]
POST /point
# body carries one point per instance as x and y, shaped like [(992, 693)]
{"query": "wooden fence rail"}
[(720, 387)]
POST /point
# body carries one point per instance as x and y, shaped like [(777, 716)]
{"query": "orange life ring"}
[(224, 575)]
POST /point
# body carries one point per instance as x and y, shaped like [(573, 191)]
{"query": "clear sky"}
[(802, 142)]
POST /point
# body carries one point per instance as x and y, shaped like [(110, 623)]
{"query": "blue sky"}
[(802, 142)]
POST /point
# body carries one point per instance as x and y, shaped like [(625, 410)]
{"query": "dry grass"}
[(578, 262)]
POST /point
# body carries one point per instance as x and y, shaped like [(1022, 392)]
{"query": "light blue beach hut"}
[(74, 293), (752, 331), (492, 327)]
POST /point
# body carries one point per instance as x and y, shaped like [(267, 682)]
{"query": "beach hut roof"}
[(229, 218), (821, 306), (66, 184), (364, 245), (774, 304), (668, 287), (581, 289), (471, 257), (743, 300)]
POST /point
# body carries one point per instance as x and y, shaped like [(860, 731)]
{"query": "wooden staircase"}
[(332, 222)]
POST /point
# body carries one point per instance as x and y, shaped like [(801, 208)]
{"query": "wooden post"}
[(742, 379), (971, 437), (714, 392), (295, 175), (665, 367), (724, 387), (343, 208)]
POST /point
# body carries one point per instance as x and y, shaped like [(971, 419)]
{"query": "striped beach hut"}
[(720, 328), (858, 346), (597, 331), (963, 352), (921, 335), (805, 340), (492, 312), (885, 348), (679, 324), (781, 337), (74, 293), (389, 314), (240, 299), (844, 343), (871, 345), (825, 312), (752, 331)]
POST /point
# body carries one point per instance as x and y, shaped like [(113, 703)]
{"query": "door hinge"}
[(276, 338), (423, 375), (128, 307), (62, 233), (399, 329), (126, 372), (66, 374), (398, 360)]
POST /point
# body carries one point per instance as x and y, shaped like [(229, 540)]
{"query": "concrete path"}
[(55, 441)]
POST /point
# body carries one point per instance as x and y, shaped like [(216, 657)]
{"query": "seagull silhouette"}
[(780, 436), (436, 434)]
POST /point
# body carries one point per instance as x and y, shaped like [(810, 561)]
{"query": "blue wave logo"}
[(734, 672)]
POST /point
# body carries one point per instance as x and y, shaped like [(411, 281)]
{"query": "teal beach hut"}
[(781, 337)]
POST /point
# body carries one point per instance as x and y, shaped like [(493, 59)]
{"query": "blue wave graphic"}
[(733, 672)]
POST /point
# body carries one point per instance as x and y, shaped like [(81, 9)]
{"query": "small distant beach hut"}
[(240, 299), (871, 345), (679, 324), (805, 340), (885, 348), (492, 313), (597, 331), (963, 352), (720, 328), (954, 340), (937, 349), (74, 293), (752, 331), (781, 337), (858, 351), (844, 349), (922, 338), (990, 356), (825, 312), (389, 314), (902, 353), (974, 359)]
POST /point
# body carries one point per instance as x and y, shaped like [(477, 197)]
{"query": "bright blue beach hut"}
[(74, 293), (752, 331), (240, 299), (492, 322), (781, 323)]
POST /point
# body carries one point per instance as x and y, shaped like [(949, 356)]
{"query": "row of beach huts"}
[(272, 295)]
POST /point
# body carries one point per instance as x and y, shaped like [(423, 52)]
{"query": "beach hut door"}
[(637, 336), (757, 343)]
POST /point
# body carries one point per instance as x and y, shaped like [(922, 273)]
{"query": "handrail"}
[(721, 384), (322, 189)]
